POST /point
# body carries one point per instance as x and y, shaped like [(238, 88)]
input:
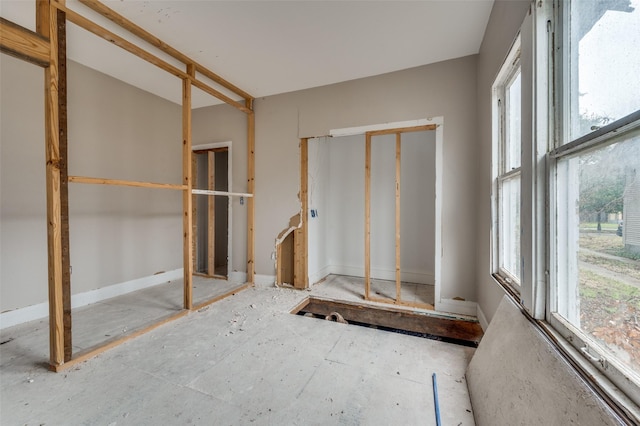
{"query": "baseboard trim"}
[(264, 280), (41, 310), (322, 273), (237, 277), (460, 307), (482, 319)]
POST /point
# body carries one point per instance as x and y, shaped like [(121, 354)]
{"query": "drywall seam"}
[(41, 310)]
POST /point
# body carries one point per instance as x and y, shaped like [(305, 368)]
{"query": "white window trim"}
[(505, 76)]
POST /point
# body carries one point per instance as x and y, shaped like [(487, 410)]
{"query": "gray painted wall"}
[(504, 24), (116, 234), (445, 89)]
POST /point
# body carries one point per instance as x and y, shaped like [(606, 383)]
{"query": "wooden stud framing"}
[(49, 22), (111, 37), (398, 273), (156, 42), (251, 140), (47, 48), (367, 217), (24, 44), (300, 274), (187, 219), (118, 182), (211, 204)]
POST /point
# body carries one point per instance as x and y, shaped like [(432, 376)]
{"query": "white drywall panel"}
[(516, 377), (417, 206), (346, 204), (383, 206), (318, 192)]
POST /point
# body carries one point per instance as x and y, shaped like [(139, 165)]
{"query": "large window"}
[(594, 180), (507, 91)]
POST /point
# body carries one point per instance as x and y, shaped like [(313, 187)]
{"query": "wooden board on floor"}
[(417, 322)]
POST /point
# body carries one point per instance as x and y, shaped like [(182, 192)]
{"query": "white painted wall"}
[(116, 234), (318, 196), (346, 205), (336, 191)]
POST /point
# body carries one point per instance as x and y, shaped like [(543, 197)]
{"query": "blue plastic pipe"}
[(435, 399)]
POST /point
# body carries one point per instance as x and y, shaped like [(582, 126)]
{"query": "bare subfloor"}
[(242, 360)]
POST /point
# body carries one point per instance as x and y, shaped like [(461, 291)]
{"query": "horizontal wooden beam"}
[(216, 94), (403, 130), (118, 182), (115, 17), (24, 44), (130, 47)]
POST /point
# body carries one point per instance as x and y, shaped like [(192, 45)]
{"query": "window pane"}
[(510, 226), (604, 60), (512, 119), (598, 246)]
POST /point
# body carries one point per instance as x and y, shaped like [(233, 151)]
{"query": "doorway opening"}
[(211, 214)]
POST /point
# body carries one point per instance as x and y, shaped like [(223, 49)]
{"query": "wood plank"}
[(213, 92), (301, 276), (53, 181), (109, 36), (367, 217), (24, 44), (211, 217), (403, 130), (251, 140), (119, 182), (417, 322), (398, 274), (64, 185), (117, 341), (156, 42), (187, 181)]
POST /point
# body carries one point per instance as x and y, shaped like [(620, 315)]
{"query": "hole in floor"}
[(419, 324)]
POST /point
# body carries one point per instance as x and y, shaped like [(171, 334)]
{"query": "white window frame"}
[(612, 375), (506, 75)]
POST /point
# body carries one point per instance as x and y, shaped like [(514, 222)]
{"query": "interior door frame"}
[(217, 145)]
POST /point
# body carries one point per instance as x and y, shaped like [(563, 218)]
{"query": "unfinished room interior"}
[(320, 212)]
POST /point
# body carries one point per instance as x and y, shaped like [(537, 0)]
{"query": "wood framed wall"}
[(367, 212), (367, 208), (47, 48)]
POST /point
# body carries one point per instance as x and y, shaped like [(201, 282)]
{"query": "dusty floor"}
[(243, 360)]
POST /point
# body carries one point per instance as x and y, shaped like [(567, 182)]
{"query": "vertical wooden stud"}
[(186, 195), (301, 276), (251, 138), (211, 217), (47, 25), (367, 217), (398, 274)]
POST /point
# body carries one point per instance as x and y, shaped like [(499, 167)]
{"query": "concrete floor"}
[(243, 360)]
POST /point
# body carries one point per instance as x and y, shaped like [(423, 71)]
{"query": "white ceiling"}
[(270, 47)]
